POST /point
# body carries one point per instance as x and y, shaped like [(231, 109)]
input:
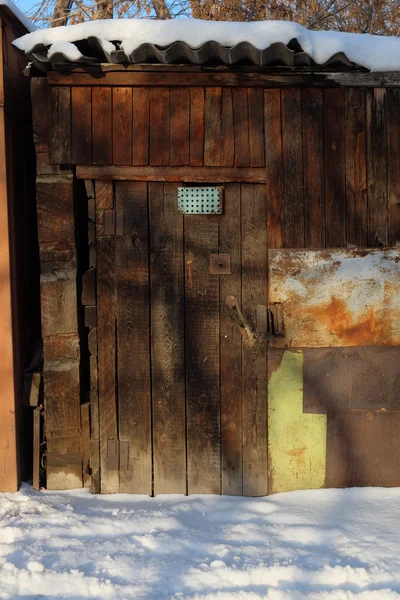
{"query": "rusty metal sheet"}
[(363, 449), (344, 378), (334, 298)]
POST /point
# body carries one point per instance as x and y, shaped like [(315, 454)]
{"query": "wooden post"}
[(8, 444)]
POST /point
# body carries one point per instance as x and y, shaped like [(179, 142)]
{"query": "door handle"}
[(237, 315)]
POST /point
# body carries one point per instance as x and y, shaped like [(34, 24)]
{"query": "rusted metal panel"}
[(334, 298), (363, 448), (344, 378)]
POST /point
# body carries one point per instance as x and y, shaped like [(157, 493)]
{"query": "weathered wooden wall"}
[(19, 299), (331, 155), (329, 159)]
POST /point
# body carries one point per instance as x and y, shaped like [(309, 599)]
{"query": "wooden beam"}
[(194, 78), (9, 476), (168, 174)]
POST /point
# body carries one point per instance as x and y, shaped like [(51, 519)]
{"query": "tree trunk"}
[(161, 9)]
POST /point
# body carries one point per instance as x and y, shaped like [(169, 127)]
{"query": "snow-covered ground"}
[(335, 544)]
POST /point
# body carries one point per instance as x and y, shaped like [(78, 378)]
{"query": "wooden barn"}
[(19, 254), (219, 234)]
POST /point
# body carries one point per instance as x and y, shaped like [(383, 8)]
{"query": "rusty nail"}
[(135, 239)]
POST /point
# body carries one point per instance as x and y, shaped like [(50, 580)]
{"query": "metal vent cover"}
[(200, 200)]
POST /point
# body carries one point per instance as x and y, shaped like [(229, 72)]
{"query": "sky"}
[(25, 5)]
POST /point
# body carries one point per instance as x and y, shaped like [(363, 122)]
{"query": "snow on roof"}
[(376, 53), (19, 14)]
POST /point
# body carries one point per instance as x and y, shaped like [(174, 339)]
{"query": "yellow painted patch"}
[(296, 440)]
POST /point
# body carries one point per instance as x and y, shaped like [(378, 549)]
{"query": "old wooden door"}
[(182, 393)]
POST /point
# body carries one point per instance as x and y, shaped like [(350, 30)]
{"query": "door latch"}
[(245, 331), (270, 319)]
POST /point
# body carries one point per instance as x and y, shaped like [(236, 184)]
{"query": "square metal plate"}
[(220, 264), (200, 200)]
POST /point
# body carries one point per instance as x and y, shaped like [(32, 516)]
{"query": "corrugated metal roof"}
[(210, 53)]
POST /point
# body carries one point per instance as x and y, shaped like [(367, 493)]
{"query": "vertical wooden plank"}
[(231, 347), (254, 359), (60, 129), (274, 167), (393, 127), (122, 125), (202, 356), (377, 167), (9, 468), (227, 135), (196, 127), (36, 449), (313, 164), (106, 358), (102, 128), (212, 127), (356, 167), (241, 127), (95, 466), (133, 330), (141, 121), (85, 433), (292, 147), (81, 98), (179, 126), (335, 192), (255, 98), (159, 126), (167, 340)]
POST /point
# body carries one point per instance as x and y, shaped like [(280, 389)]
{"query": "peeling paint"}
[(336, 298), (296, 440)]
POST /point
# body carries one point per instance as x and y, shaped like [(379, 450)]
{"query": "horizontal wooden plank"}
[(187, 174), (228, 78)]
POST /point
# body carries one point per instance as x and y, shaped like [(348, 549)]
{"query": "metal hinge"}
[(117, 455)]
